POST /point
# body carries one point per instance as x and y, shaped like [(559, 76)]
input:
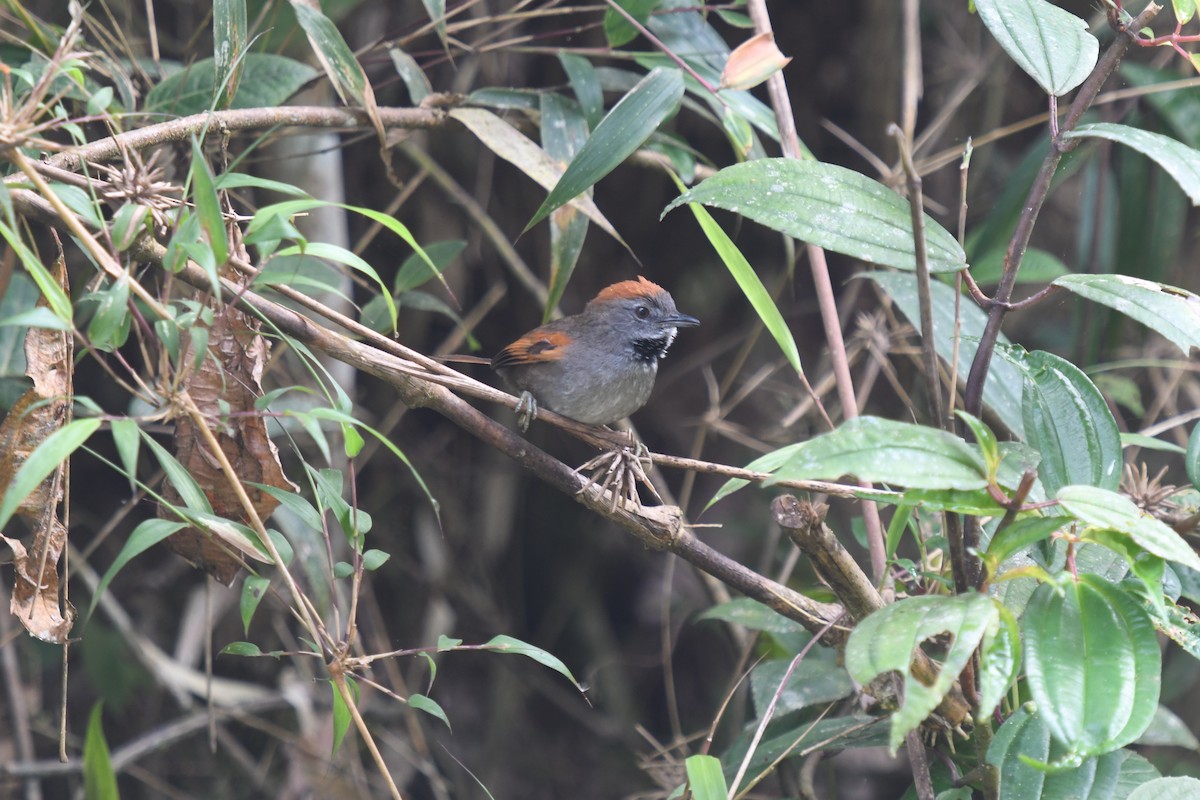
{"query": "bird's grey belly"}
[(598, 404)]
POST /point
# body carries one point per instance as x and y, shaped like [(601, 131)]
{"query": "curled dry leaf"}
[(38, 413), (224, 389), (752, 62)]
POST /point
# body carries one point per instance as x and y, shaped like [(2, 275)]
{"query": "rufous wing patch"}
[(537, 345)]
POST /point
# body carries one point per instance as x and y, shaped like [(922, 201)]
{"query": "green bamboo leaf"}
[(765, 463), (514, 147), (1052, 45), (147, 534), (585, 84), (1108, 510), (341, 255), (208, 207), (622, 131), (1092, 663), (109, 327), (191, 493), (254, 589), (335, 56), (1180, 161), (436, 9), (1068, 421), (750, 284), (411, 73), (56, 298), (883, 451), (752, 615), (564, 131), (125, 436), (54, 450), (812, 681), (827, 205), (429, 706), (886, 640), (99, 779), (507, 644), (341, 712), (229, 45), (705, 779)]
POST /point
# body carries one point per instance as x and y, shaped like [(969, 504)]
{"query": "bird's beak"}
[(681, 321)]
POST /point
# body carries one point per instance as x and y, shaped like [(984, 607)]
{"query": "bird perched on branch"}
[(597, 366)]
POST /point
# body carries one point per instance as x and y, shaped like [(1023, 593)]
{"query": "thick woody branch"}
[(658, 528), (805, 525)]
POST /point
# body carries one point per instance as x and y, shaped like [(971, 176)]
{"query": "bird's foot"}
[(526, 411), (618, 472)]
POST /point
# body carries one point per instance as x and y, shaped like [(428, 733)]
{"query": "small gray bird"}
[(597, 366)]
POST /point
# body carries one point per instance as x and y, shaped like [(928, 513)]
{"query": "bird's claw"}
[(617, 472), (526, 411)]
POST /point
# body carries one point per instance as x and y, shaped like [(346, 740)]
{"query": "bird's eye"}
[(643, 312)]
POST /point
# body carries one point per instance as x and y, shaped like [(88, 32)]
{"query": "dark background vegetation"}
[(514, 556)]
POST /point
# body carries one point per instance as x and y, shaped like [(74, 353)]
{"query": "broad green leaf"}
[(705, 779), (254, 589), (1021, 534), (894, 453), (507, 644), (1180, 161), (229, 43), (208, 207), (54, 450), (1184, 10), (812, 681), (1177, 788), (147, 534), (564, 131), (791, 738), (99, 780), (999, 662), (335, 56), (1037, 266), (1068, 421), (374, 559), (414, 272), (1108, 510), (1092, 663), (765, 463), (750, 284), (753, 615), (829, 206), (1180, 108), (80, 201), (1024, 740), (886, 640), (266, 81), (429, 706), (620, 31), (1172, 312), (622, 131), (1168, 730), (1192, 459), (585, 84), (1051, 45)]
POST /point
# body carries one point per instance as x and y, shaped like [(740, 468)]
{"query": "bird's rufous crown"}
[(627, 290)]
